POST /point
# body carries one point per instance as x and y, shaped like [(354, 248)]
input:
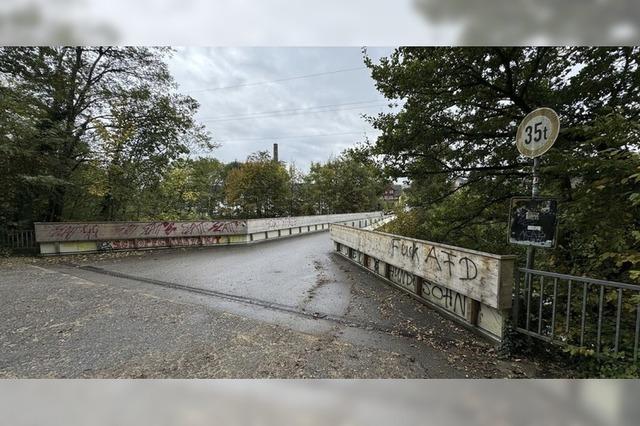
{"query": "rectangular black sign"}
[(533, 221)]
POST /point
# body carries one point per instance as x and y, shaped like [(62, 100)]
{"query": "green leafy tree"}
[(454, 138), (145, 134), (318, 188), (20, 176), (81, 107), (192, 189), (260, 187), (296, 194), (347, 184)]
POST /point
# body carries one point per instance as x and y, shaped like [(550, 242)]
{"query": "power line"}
[(224, 117), (294, 113), (259, 83), (317, 135)]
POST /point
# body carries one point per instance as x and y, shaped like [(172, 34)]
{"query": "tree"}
[(460, 110), (192, 189), (89, 105), (319, 189), (260, 187), (296, 194), (145, 135), (347, 184), (19, 178)]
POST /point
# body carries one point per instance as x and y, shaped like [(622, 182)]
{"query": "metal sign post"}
[(531, 250), (536, 134)]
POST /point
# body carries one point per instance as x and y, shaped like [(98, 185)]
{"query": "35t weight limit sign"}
[(537, 132)]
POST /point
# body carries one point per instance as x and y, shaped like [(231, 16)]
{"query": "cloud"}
[(319, 23), (230, 114), (206, 22)]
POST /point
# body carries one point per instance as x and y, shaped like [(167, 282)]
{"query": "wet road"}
[(287, 308), (297, 272)]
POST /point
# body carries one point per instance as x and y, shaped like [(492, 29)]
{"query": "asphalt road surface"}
[(289, 308)]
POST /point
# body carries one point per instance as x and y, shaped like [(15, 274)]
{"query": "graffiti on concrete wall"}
[(153, 229), (442, 296), (116, 245), (152, 243), (445, 297), (404, 278), (480, 276), (74, 232), (184, 229), (146, 243), (51, 232), (281, 222), (210, 241), (184, 241), (436, 258)]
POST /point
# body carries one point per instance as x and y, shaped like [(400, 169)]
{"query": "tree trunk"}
[(56, 205)]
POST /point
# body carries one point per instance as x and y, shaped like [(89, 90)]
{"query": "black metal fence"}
[(18, 240), (598, 315)]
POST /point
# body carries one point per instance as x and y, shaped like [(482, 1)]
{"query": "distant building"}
[(392, 193)]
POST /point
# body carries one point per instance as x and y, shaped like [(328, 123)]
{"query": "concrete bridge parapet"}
[(82, 237), (474, 288)]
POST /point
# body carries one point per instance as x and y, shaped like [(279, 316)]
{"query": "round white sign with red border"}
[(537, 132)]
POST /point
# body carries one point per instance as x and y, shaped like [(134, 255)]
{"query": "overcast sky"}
[(319, 23), (310, 118)]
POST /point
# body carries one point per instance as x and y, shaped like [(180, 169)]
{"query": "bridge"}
[(319, 296), (288, 307)]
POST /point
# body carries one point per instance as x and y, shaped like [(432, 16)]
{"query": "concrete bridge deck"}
[(286, 308)]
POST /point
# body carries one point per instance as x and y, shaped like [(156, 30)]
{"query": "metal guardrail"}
[(599, 315), (18, 240)]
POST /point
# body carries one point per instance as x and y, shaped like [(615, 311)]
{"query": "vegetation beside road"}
[(102, 133), (454, 138)]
